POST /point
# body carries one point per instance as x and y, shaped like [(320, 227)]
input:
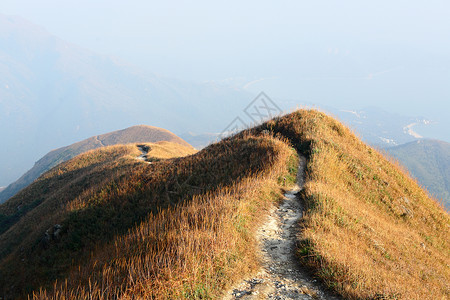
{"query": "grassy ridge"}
[(136, 198), (183, 227), (135, 134), (370, 231), (27, 256), (194, 249)]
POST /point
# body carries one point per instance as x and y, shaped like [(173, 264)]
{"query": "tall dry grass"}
[(175, 228), (183, 228), (191, 250), (194, 250), (27, 259), (370, 232)]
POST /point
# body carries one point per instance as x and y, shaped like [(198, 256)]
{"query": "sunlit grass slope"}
[(184, 227), (131, 135), (174, 228), (25, 218), (370, 231)]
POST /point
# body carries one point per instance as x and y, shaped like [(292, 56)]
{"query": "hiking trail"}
[(281, 275)]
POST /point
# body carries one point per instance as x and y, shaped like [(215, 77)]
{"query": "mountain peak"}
[(134, 134)]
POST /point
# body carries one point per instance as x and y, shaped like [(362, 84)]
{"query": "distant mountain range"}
[(53, 93), (429, 162), (381, 128), (375, 126), (135, 134)]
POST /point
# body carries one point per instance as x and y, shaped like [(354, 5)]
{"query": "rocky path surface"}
[(281, 276), (144, 150)]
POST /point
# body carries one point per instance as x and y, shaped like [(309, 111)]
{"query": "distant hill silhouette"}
[(54, 93), (429, 162), (135, 134)]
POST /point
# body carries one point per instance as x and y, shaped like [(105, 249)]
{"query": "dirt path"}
[(99, 141), (144, 149), (281, 276)]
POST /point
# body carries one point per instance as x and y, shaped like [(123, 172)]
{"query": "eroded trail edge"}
[(281, 276)]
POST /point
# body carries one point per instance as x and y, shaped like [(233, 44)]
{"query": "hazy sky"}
[(391, 54)]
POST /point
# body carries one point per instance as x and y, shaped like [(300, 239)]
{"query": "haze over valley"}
[(235, 150), (55, 93)]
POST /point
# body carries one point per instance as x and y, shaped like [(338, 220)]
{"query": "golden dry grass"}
[(370, 231), (175, 228), (184, 227), (26, 217), (165, 150), (131, 135), (191, 250)]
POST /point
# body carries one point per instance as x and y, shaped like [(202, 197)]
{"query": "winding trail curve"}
[(281, 276), (144, 150)]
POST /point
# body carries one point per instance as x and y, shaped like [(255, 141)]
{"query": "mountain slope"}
[(106, 225), (53, 93), (370, 231), (429, 162), (135, 134), (98, 199)]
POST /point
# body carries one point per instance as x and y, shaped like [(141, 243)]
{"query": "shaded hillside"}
[(135, 134), (102, 201), (107, 225), (429, 162), (54, 93), (81, 170)]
